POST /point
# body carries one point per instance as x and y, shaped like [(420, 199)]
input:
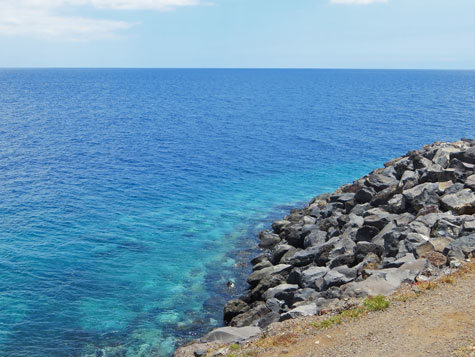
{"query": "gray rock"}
[(364, 195), (366, 233), (231, 334), (408, 180), (379, 182), (265, 284), (306, 294), (315, 238), (470, 182), (279, 226), (280, 250), (408, 258), (313, 278), (304, 257), (445, 228), (404, 219), (462, 247), (468, 225), (262, 265), (386, 281), (418, 226), (268, 240), (442, 156), (462, 202), (250, 317), (422, 195), (281, 292), (378, 220), (303, 310), (383, 197), (258, 275), (397, 204), (363, 248), (467, 155), (234, 308), (343, 197), (441, 243), (271, 317), (200, 352), (338, 277), (413, 240)]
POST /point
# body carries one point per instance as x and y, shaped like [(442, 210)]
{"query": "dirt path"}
[(440, 322)]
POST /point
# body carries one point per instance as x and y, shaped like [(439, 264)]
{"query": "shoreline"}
[(412, 219)]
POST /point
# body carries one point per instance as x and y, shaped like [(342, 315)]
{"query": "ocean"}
[(130, 197)]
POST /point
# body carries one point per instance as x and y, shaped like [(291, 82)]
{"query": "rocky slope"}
[(410, 219)]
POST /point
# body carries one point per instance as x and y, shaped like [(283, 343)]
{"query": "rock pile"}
[(367, 238), (412, 217)]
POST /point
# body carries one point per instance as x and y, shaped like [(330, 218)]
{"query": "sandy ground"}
[(439, 322)]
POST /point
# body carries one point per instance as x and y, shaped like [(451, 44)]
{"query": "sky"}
[(426, 34)]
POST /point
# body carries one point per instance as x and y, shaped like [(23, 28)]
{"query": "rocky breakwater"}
[(413, 218)]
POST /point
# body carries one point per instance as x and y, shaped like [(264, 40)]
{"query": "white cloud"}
[(43, 18), (357, 2)]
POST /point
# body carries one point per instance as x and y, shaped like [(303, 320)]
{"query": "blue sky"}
[(238, 33)]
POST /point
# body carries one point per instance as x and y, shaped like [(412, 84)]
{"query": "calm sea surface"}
[(128, 198)]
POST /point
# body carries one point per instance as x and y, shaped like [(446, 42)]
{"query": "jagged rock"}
[(379, 182), (445, 228), (462, 202), (303, 310), (441, 243), (306, 294), (442, 156), (262, 265), (268, 240), (413, 240), (470, 182), (231, 334), (250, 317), (313, 278), (408, 258), (386, 281), (258, 275), (462, 247), (339, 276), (408, 180), (378, 220), (422, 195), (467, 155), (343, 198), (269, 281), (383, 197), (404, 219), (435, 258), (280, 250), (269, 318), (315, 238), (397, 204), (281, 292), (363, 248), (279, 226), (304, 257), (468, 225), (366, 233), (234, 308)]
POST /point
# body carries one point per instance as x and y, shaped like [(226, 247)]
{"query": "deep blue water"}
[(128, 198)]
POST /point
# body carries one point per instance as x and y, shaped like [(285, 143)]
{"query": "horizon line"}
[(247, 68)]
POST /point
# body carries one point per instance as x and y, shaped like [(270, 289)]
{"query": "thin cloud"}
[(357, 2), (43, 18)]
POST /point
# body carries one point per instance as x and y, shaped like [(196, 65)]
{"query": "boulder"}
[(303, 310), (234, 308), (258, 275), (364, 195), (470, 182), (366, 233), (397, 204), (280, 250), (422, 195), (315, 238), (267, 240), (281, 292), (231, 334), (379, 182), (313, 278), (278, 226), (250, 317), (462, 202), (462, 247)]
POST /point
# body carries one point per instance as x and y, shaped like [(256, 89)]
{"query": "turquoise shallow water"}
[(128, 198)]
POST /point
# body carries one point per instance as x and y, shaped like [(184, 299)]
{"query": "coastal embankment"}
[(409, 222)]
